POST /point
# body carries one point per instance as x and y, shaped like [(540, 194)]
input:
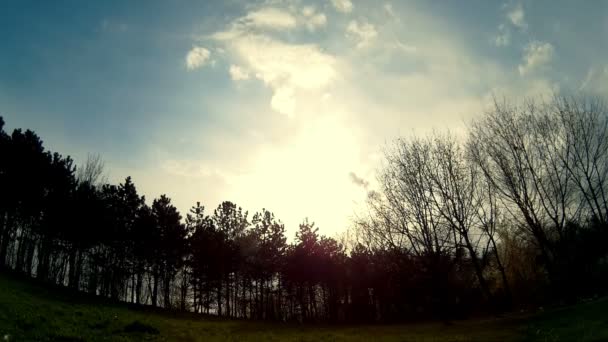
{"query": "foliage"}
[(514, 216)]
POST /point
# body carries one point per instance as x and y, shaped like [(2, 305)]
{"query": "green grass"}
[(29, 312)]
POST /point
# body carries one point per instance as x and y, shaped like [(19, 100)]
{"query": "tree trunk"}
[(228, 294), (29, 258), (167, 291), (155, 288), (21, 251), (133, 280), (6, 234), (478, 271), (72, 268), (138, 286), (219, 297), (42, 271)]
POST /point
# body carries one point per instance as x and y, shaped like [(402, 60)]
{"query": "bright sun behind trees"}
[(513, 215)]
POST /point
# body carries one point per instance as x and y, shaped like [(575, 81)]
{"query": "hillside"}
[(29, 312)]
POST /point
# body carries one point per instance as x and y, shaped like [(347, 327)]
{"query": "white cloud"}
[(514, 15), (308, 11), (270, 18), (406, 48), (362, 33), (388, 8), (197, 57), (274, 19), (316, 21), (445, 85), (237, 73), (344, 6), (587, 81), (503, 38), (185, 168), (596, 81), (285, 68), (313, 20), (284, 101), (537, 55), (274, 62), (517, 16)]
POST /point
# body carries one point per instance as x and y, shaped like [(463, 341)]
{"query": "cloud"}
[(517, 16), (270, 18), (308, 11), (113, 26), (318, 20), (313, 20), (197, 57), (362, 33), (185, 168), (588, 79), (237, 73), (405, 48), (388, 8), (358, 180), (285, 68), (344, 6), (596, 81), (503, 38), (537, 55), (274, 19), (435, 80), (283, 101)]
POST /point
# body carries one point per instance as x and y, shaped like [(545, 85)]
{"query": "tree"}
[(405, 214), (93, 171), (23, 198), (145, 246), (82, 232), (231, 221), (517, 208), (267, 259), (171, 236)]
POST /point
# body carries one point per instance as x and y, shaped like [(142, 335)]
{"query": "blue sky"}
[(278, 104)]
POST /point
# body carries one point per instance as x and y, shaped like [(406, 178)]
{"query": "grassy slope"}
[(29, 312)]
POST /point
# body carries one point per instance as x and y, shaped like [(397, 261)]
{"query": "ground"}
[(30, 312)]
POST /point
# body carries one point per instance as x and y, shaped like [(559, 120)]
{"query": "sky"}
[(284, 105)]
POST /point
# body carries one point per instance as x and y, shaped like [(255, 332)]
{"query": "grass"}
[(30, 312)]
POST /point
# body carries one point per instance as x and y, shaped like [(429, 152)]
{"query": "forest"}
[(511, 214)]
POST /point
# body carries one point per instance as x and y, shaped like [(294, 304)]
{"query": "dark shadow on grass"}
[(63, 338), (139, 327)]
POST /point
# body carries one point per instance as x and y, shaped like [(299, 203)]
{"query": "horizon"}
[(283, 105)]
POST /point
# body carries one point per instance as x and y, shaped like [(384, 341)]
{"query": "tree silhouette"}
[(513, 215), (170, 234)]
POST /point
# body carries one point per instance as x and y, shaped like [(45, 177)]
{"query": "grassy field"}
[(29, 312)]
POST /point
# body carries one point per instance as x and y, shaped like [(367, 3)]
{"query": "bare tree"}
[(584, 124), (548, 162), (502, 144), (488, 216), (93, 171), (453, 184), (410, 203)]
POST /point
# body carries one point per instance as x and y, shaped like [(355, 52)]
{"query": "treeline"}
[(66, 226), (514, 214)]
